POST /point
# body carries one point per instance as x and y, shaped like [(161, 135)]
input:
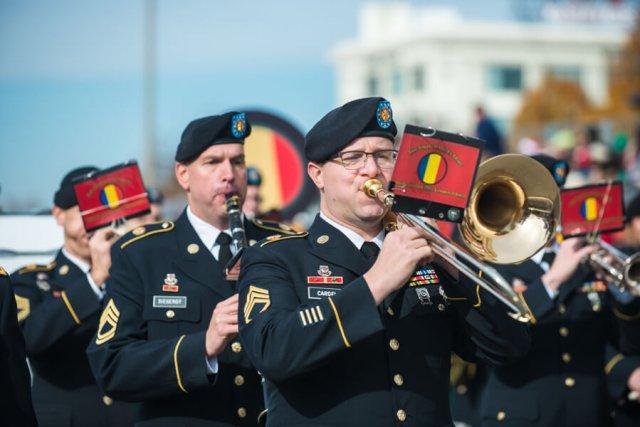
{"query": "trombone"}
[(513, 211)]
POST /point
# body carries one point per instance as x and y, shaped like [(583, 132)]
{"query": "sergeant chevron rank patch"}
[(255, 298), (24, 307), (108, 323)]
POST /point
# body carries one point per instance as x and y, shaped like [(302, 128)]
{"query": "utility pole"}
[(148, 163)]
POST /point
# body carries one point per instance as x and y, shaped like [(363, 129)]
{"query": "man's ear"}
[(182, 175), (314, 170), (58, 214)]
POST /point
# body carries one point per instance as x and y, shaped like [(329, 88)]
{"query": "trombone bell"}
[(513, 210)]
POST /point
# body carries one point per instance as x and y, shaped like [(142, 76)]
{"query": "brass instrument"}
[(618, 268), (513, 211)]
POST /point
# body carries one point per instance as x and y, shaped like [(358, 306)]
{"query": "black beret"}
[(633, 208), (65, 197), (559, 169), (253, 176), (155, 196), (200, 134), (355, 119)]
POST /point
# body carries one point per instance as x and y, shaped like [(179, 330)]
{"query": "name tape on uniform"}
[(163, 301)]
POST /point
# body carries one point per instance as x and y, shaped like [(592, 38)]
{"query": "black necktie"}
[(224, 240), (370, 251)]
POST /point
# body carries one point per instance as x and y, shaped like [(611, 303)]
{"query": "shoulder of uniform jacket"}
[(145, 231), (282, 237), (36, 268), (278, 227)]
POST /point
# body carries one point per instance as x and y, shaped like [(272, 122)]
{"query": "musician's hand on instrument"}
[(566, 262), (402, 251), (634, 381), (100, 248), (223, 326)]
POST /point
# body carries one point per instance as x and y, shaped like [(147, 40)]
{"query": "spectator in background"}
[(155, 204), (487, 131), (252, 201)]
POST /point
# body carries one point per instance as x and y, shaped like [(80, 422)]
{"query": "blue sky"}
[(71, 75)]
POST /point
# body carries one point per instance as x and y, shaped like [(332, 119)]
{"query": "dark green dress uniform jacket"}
[(16, 409), (561, 382), (58, 312), (331, 357), (150, 346)]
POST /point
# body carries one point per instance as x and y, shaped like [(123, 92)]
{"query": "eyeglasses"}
[(354, 160)]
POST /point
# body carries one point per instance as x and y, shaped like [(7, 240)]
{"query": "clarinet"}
[(235, 222), (240, 242)]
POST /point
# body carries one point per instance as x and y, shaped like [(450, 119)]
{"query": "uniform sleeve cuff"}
[(96, 289), (618, 370), (188, 354), (80, 300)]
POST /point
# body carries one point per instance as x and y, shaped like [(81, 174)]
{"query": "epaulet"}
[(33, 268), (274, 226), (280, 238), (145, 231), (3, 272)]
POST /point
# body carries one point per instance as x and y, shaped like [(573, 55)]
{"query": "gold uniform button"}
[(64, 270), (107, 400), (461, 389), (322, 239), (394, 344), (390, 311), (566, 357), (562, 308), (569, 382), (242, 412), (564, 331), (501, 416), (441, 307), (170, 314), (238, 380), (401, 414), (138, 231), (165, 225), (397, 378), (193, 248), (236, 347)]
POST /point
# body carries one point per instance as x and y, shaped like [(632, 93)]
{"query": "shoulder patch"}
[(280, 238), (274, 226), (146, 231), (108, 323), (24, 307), (31, 268)]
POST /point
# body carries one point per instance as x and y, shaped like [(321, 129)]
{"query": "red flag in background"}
[(111, 194), (434, 173), (594, 208)]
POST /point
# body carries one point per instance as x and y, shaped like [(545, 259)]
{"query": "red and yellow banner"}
[(111, 194), (592, 208)]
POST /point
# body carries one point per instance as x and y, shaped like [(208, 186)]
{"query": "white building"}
[(436, 67)]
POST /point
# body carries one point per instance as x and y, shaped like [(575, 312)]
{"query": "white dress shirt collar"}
[(353, 237), (80, 263), (208, 233)]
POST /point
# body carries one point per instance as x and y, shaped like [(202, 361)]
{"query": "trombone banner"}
[(594, 208), (111, 194), (434, 173)]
